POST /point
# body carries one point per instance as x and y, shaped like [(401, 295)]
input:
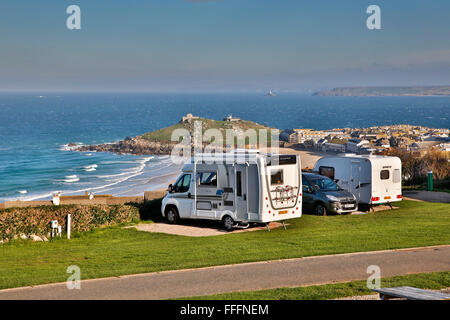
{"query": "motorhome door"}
[(181, 191), (241, 191), (355, 183)]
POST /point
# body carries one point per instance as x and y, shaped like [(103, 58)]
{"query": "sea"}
[(36, 129)]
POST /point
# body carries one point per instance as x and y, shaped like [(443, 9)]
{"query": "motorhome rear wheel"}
[(228, 223)]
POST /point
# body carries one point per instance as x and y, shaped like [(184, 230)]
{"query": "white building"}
[(355, 145)]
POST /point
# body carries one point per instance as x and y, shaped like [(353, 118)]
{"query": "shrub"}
[(415, 166), (36, 220), (150, 210)]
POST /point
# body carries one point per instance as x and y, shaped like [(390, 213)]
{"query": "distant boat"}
[(271, 93)]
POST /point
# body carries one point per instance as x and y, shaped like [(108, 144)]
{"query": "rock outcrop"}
[(137, 146)]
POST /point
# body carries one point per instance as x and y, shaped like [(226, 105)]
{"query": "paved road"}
[(429, 196), (249, 276)]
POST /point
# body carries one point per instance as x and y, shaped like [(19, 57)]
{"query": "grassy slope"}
[(116, 251), (435, 280), (164, 135)]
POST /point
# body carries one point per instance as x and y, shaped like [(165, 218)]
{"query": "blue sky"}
[(223, 45)]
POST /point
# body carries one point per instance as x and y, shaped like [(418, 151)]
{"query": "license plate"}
[(349, 206), (387, 198), (283, 212)]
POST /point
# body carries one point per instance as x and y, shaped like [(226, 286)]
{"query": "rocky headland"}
[(160, 142)]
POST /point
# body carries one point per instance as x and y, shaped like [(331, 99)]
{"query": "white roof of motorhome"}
[(231, 157), (234, 157), (361, 156)]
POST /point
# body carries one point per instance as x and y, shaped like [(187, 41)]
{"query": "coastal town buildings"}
[(370, 140)]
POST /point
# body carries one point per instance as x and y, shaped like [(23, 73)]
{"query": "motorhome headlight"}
[(332, 198)]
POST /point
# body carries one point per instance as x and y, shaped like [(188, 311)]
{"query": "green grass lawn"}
[(117, 251), (435, 280)]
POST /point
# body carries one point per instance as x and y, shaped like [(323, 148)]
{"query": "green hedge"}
[(36, 220)]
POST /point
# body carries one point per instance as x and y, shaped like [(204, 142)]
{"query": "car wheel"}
[(172, 215), (228, 223), (320, 210)]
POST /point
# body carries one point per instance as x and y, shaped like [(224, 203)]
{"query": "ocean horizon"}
[(36, 129)]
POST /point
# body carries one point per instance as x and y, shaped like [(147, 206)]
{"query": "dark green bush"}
[(149, 210)]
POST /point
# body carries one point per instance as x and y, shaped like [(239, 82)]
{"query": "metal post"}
[(69, 225), (430, 180)]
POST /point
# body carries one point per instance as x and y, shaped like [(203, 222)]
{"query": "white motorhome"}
[(236, 188), (372, 179)]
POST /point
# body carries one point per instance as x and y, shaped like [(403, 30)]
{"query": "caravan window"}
[(183, 184), (396, 176), (384, 174), (276, 177), (207, 179), (327, 172)]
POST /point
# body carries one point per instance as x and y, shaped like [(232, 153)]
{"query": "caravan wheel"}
[(172, 215), (228, 223)]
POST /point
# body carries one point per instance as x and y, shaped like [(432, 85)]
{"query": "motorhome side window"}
[(327, 172), (384, 174), (183, 184), (207, 179), (238, 183), (276, 177)]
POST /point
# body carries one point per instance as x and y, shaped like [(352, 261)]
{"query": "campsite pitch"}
[(198, 229)]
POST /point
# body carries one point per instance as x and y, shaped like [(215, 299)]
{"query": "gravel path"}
[(430, 196), (199, 229)]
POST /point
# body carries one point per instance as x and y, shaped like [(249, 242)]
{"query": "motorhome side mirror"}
[(170, 188)]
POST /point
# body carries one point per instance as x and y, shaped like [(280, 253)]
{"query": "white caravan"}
[(372, 179), (236, 188)]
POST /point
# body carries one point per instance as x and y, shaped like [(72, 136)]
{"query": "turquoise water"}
[(36, 128)]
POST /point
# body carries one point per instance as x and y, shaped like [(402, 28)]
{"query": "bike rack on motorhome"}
[(237, 188)]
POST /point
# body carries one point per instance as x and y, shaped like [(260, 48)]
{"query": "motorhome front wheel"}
[(171, 216)]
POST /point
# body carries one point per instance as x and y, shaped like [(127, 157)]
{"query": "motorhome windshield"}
[(324, 184)]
